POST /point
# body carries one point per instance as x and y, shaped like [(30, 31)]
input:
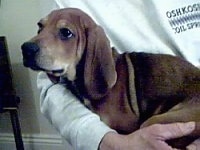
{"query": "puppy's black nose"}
[(29, 49)]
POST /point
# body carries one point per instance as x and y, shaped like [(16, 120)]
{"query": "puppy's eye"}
[(41, 26), (65, 33)]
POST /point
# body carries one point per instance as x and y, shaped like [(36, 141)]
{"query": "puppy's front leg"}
[(182, 112)]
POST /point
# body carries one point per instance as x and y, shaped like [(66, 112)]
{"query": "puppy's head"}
[(63, 37), (60, 42)]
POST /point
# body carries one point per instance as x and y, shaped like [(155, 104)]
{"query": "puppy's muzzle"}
[(29, 52)]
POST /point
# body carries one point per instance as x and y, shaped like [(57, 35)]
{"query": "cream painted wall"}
[(18, 20)]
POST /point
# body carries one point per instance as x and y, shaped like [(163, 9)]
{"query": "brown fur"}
[(128, 91)]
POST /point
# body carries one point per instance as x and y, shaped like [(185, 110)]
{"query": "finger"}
[(174, 130), (162, 145), (195, 145)]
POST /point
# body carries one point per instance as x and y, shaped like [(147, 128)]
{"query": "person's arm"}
[(85, 131), (73, 120)]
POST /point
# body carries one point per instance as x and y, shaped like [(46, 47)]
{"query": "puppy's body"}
[(128, 91), (163, 83)]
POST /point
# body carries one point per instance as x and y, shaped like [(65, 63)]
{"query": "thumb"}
[(176, 130)]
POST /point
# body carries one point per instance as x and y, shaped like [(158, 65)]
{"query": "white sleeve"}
[(78, 125)]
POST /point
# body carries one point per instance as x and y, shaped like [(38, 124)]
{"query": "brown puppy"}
[(128, 91)]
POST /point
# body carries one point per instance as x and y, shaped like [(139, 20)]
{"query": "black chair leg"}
[(16, 129)]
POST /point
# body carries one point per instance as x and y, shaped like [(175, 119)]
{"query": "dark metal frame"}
[(16, 127), (8, 96)]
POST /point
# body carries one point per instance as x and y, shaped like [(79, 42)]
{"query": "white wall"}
[(18, 20)]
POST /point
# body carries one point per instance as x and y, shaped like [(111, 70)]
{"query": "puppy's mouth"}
[(55, 72)]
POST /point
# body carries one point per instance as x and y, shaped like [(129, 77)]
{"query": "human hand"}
[(195, 145), (149, 138)]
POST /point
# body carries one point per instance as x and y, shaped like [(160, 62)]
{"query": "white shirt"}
[(157, 26), (180, 21)]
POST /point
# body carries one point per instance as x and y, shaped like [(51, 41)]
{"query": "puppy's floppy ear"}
[(99, 74)]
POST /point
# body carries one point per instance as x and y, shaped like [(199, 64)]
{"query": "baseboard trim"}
[(32, 138), (34, 142)]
